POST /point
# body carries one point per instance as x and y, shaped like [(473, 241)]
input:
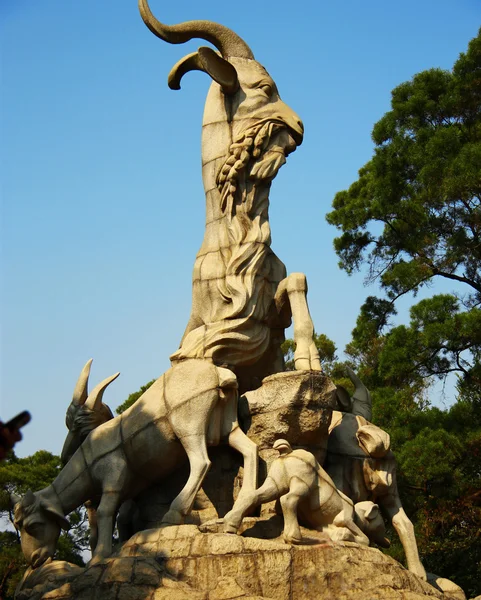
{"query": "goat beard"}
[(278, 147), (257, 154)]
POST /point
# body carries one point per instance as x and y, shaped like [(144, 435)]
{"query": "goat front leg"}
[(106, 513), (238, 440), (306, 355), (289, 504), (92, 519), (405, 530), (249, 500)]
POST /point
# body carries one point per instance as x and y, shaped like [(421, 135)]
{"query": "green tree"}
[(414, 215), (133, 398), (423, 186), (17, 475)]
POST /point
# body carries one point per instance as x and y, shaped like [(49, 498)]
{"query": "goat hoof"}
[(173, 517), (302, 362), (314, 358), (292, 540), (229, 528), (95, 560)]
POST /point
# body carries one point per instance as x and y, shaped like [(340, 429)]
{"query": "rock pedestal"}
[(181, 563), (296, 406)]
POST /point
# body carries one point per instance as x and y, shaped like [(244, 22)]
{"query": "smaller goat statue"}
[(303, 487), (191, 406), (360, 462)]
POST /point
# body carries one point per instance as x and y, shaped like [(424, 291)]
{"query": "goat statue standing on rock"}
[(301, 484), (242, 300)]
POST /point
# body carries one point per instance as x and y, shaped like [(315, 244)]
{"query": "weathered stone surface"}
[(185, 564), (49, 577), (447, 586), (295, 405)]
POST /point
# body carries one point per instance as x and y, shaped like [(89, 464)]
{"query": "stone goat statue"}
[(194, 404), (302, 485), (241, 300), (362, 466)]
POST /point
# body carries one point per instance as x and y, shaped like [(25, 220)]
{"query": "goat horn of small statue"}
[(80, 392), (361, 392), (95, 396), (223, 38), (208, 61)]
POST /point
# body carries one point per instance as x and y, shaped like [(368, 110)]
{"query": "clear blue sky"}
[(102, 199)]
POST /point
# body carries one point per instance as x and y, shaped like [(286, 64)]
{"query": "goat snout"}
[(39, 557)]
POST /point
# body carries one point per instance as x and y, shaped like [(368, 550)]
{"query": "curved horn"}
[(209, 62), (361, 399), (80, 392), (343, 398), (95, 397), (223, 38)]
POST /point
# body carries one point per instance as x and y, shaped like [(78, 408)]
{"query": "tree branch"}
[(454, 277)]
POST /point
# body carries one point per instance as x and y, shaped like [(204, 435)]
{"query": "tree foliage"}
[(414, 216), (422, 186), (133, 398)]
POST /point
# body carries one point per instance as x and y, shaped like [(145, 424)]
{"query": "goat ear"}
[(14, 499), (208, 61), (372, 512), (94, 400), (29, 498), (57, 515), (80, 392), (219, 69)]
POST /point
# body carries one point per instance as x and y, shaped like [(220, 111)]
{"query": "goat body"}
[(194, 404), (302, 485), (363, 477)]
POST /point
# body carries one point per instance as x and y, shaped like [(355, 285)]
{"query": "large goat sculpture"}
[(191, 406), (242, 300)]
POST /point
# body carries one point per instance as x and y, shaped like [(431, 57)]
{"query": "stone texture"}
[(295, 405), (447, 586), (185, 564)]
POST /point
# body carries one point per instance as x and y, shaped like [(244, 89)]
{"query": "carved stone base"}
[(181, 563)]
